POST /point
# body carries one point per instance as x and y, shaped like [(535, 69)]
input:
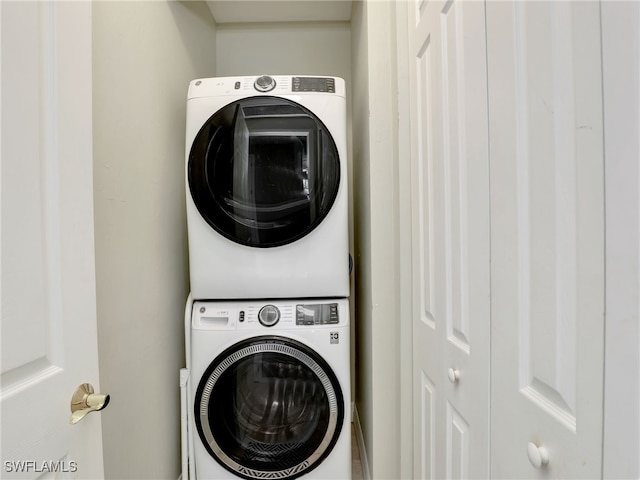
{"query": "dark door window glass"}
[(269, 407), (263, 171)]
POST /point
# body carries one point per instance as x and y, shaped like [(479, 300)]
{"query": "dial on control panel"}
[(269, 315), (264, 83)]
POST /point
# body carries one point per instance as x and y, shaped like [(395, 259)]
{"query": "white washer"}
[(270, 389), (266, 175)]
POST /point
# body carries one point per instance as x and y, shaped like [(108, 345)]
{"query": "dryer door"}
[(269, 407), (263, 171)]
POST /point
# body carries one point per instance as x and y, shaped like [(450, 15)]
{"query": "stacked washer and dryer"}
[(266, 389)]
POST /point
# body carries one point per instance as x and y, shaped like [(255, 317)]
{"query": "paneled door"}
[(547, 239), (49, 344), (450, 238)]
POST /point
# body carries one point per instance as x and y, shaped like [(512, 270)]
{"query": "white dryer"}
[(266, 174), (269, 393)]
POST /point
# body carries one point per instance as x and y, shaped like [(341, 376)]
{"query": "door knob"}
[(85, 401), (538, 456), (454, 375)]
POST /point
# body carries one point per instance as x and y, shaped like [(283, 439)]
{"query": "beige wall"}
[(307, 48), (376, 220), (144, 55), (362, 221)]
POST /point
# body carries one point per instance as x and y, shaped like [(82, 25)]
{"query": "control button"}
[(300, 320), (264, 83), (333, 314), (269, 315)]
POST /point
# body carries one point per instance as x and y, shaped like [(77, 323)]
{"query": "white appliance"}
[(268, 390), (266, 174)]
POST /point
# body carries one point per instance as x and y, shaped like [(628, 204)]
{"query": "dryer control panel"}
[(272, 85), (313, 84)]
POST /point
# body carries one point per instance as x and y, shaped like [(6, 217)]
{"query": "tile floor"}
[(356, 464)]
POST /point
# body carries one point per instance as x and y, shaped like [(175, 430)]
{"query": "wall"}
[(404, 227), (362, 223), (305, 48), (621, 85), (377, 227), (144, 55)]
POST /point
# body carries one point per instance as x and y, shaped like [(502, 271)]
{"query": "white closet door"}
[(450, 239), (49, 339), (547, 239)]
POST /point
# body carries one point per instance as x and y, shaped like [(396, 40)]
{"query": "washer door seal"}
[(269, 407)]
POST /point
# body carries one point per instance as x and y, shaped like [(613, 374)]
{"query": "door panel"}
[(457, 444), (49, 343), (426, 165), (547, 235), (426, 428), (450, 198)]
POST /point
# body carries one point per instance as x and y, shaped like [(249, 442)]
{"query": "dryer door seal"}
[(269, 407), (263, 171)]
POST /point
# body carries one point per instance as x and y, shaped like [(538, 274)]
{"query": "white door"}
[(450, 238), (49, 343), (547, 239)]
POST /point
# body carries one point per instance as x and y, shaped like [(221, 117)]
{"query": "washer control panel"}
[(317, 314), (264, 314)]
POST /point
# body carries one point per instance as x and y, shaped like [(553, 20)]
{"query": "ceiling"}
[(251, 11)]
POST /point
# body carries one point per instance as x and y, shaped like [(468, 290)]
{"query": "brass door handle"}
[(85, 401)]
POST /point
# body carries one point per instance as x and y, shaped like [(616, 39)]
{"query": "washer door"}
[(263, 171), (269, 407)]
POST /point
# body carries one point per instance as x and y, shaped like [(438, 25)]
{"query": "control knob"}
[(269, 315), (265, 83)]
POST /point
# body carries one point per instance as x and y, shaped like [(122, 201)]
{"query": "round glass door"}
[(263, 171), (269, 407)]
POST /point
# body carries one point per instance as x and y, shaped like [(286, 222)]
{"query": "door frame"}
[(404, 215), (620, 29)]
